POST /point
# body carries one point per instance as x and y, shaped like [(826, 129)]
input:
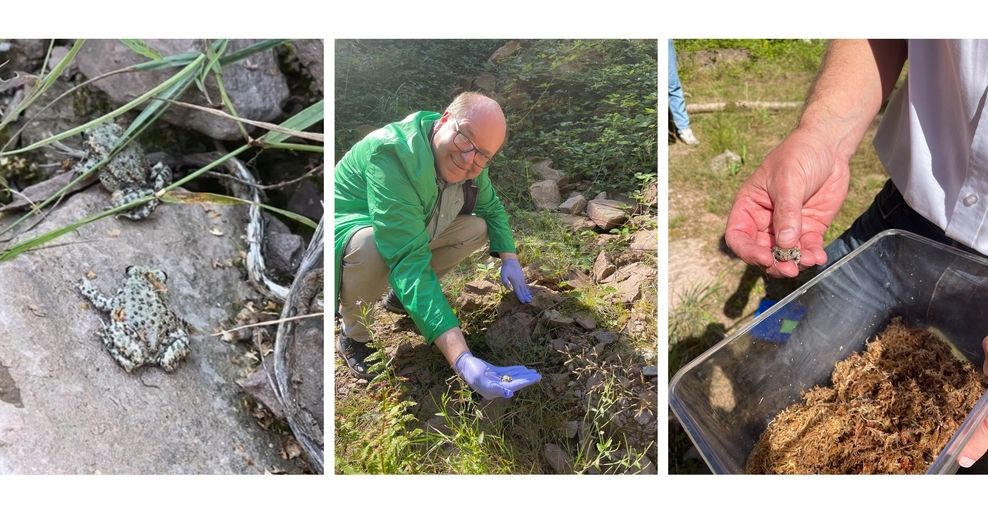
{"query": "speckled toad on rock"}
[(142, 330), (129, 175)]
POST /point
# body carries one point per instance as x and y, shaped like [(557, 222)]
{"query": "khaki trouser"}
[(364, 276)]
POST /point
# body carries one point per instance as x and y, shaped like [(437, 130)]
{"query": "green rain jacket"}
[(388, 181)]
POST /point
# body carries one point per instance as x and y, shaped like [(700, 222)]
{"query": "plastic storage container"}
[(726, 397)]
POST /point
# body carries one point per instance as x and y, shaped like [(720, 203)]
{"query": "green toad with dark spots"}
[(142, 330)]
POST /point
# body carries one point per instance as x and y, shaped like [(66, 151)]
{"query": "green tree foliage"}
[(590, 106), (382, 81)]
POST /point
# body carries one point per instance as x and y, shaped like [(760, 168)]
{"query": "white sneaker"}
[(687, 136)]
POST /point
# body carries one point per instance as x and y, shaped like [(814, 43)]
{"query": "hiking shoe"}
[(687, 136), (393, 304), (354, 353)]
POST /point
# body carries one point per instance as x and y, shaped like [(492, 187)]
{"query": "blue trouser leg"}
[(677, 105)]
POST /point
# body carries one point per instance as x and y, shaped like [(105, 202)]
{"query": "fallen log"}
[(740, 105)]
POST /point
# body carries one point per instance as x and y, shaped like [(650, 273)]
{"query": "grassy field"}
[(712, 293)]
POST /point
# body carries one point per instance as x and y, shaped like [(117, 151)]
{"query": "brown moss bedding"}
[(889, 410)]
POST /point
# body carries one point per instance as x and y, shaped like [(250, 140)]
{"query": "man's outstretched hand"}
[(493, 381)]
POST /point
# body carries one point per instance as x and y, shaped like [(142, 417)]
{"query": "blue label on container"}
[(780, 325)]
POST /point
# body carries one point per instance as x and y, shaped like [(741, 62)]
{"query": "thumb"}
[(787, 220), (984, 346), (975, 447), (978, 444)]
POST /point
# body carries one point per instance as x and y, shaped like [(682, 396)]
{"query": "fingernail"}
[(787, 236), (965, 462)]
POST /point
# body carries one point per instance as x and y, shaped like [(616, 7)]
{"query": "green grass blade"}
[(302, 120), (44, 64), (208, 167), (40, 240), (141, 48), (222, 199), (291, 146), (175, 83), (188, 70), (142, 122), (181, 60), (316, 137), (43, 84), (226, 102), (250, 50), (156, 108), (216, 52)]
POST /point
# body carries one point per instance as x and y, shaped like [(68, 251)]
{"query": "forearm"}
[(452, 344), (855, 78)]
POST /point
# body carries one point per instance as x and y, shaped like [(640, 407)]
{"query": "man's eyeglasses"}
[(463, 144)]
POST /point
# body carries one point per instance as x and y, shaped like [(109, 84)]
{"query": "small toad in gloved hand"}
[(512, 277), (493, 381)]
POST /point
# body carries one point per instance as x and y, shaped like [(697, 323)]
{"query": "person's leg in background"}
[(677, 104)]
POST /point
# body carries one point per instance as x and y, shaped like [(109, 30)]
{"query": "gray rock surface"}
[(722, 162), (645, 240), (558, 459), (24, 55), (607, 214), (545, 171), (311, 53), (574, 204), (39, 122), (545, 194), (306, 200), (79, 411), (575, 223), (256, 86), (603, 266), (258, 386), (283, 252), (506, 51), (57, 54)]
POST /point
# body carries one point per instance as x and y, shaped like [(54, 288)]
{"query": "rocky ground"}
[(584, 363)]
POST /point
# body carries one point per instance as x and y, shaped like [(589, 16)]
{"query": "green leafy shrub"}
[(382, 81), (590, 106)]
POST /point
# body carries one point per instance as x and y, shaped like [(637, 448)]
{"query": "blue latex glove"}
[(513, 277), (485, 378)]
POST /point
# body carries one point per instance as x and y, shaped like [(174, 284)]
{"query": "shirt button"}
[(970, 200)]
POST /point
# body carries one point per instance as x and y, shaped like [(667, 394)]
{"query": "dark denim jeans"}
[(888, 211)]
